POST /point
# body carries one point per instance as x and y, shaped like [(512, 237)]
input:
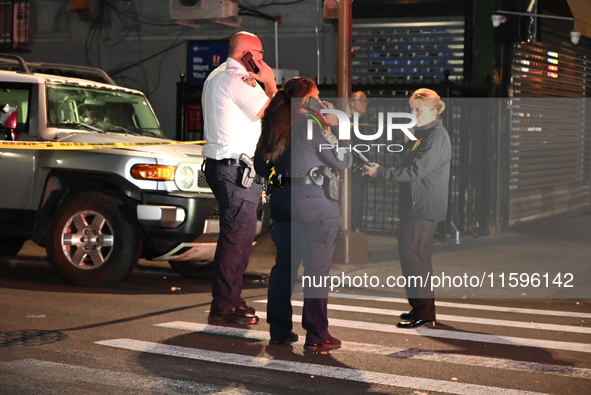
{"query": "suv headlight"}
[(184, 177), (153, 172)]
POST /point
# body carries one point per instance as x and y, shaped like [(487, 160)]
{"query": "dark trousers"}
[(283, 274), (238, 220), (299, 242), (415, 239), (316, 245)]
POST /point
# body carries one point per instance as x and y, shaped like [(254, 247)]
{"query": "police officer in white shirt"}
[(233, 103)]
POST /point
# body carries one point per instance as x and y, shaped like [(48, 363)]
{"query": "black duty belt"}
[(225, 161), (288, 182)]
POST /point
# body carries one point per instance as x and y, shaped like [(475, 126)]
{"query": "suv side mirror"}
[(9, 121)]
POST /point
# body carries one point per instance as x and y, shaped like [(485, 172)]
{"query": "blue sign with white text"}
[(203, 57)]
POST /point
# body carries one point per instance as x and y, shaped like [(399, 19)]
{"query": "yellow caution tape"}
[(366, 124), (83, 146)]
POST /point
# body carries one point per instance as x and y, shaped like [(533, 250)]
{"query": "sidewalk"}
[(530, 263)]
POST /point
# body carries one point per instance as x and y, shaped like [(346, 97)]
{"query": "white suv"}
[(104, 187)]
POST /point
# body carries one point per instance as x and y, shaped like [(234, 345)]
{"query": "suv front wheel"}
[(91, 241)]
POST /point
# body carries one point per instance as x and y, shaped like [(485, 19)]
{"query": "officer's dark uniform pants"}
[(308, 241), (315, 248), (238, 219), (415, 239), (283, 274)]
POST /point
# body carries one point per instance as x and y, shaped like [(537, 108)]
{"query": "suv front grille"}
[(212, 213)]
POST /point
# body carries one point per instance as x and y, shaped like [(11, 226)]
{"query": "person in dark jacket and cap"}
[(423, 174)]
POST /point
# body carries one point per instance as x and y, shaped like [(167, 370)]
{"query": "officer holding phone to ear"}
[(233, 104), (249, 63)]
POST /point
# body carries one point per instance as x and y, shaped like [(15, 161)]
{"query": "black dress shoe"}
[(331, 344), (416, 322), (235, 316), (406, 316), (280, 341), (245, 307)]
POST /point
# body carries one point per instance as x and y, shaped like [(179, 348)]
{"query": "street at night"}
[(150, 334)]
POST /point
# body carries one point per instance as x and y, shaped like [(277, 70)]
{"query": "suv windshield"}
[(100, 110)]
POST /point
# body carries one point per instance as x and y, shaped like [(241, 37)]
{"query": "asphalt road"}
[(149, 335)]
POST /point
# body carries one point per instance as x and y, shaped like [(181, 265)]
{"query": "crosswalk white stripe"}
[(34, 368), (447, 334), (335, 372), (443, 357), (468, 306), (454, 318)]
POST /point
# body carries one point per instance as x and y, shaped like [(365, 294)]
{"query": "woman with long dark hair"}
[(304, 208)]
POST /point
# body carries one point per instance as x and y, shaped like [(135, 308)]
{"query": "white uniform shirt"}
[(231, 101)]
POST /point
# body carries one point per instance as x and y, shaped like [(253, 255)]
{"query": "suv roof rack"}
[(16, 63), (13, 60)]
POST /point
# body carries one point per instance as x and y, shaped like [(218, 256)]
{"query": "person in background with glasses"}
[(233, 105), (358, 102)]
